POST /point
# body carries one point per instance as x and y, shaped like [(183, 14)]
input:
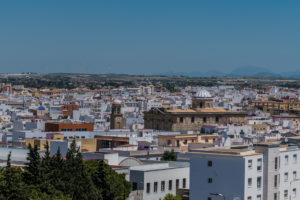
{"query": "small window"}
[(286, 160), (155, 187), (294, 193), (209, 163), (276, 163), (209, 180), (295, 158), (249, 164), (184, 183), (259, 164), (134, 186), (258, 182), (249, 182), (286, 176), (192, 119), (285, 194), (249, 198), (170, 184), (275, 181), (258, 197), (181, 119), (294, 175), (217, 119), (275, 196), (177, 184), (148, 187), (204, 119), (163, 186)]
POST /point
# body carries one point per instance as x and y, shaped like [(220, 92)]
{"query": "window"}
[(204, 119), (184, 183), (209, 180), (209, 163), (276, 163), (162, 186), (295, 158), (249, 182), (275, 196), (134, 186), (148, 187), (286, 177), (258, 197), (275, 181), (209, 198), (170, 184), (192, 119), (294, 193), (259, 164), (155, 187), (169, 142), (177, 184), (181, 119), (285, 194), (249, 164), (286, 160), (249, 198), (258, 182), (294, 175), (217, 119)]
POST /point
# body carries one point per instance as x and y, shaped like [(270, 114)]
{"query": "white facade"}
[(235, 175), (289, 184), (158, 180), (270, 172)]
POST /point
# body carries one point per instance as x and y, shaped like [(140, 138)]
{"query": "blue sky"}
[(148, 37)]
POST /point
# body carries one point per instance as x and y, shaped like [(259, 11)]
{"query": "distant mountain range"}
[(247, 71)]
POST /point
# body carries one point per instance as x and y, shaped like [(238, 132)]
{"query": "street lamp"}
[(218, 194)]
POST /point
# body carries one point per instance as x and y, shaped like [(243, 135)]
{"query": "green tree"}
[(109, 183), (11, 184), (172, 197), (169, 156), (33, 174), (78, 182)]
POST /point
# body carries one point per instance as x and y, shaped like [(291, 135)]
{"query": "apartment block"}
[(267, 171)]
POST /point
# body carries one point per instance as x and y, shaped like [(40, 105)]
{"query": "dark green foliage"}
[(169, 156), (109, 183), (52, 177), (171, 197)]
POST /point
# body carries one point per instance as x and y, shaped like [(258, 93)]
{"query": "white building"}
[(268, 172), (157, 180), (234, 173)]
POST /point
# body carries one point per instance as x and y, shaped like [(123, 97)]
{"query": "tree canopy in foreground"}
[(52, 177)]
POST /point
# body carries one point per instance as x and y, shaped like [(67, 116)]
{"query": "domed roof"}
[(41, 108), (117, 101), (202, 93)]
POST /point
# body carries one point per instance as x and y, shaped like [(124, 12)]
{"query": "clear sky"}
[(148, 36)]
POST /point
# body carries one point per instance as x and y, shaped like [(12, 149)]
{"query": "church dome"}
[(202, 93), (117, 101), (41, 108)]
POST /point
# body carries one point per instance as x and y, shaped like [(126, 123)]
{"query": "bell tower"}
[(116, 118)]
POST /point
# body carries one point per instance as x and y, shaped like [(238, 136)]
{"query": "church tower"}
[(116, 118)]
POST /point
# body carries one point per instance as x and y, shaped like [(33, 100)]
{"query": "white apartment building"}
[(268, 172), (157, 180), (289, 182), (232, 173)]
